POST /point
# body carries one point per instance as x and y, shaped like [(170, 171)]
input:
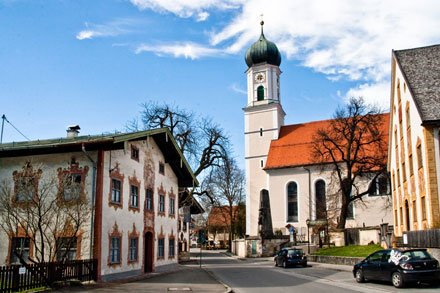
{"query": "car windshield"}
[(417, 255), (295, 251)]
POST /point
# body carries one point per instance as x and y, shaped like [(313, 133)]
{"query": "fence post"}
[(95, 269), (15, 278)]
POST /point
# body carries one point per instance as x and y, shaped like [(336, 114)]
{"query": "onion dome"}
[(263, 51)]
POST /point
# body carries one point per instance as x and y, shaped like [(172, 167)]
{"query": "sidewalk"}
[(183, 279)]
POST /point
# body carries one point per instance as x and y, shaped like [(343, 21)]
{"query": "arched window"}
[(379, 186), (292, 202), (350, 207), (320, 200), (260, 93)]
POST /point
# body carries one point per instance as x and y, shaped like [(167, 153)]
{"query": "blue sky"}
[(93, 63)]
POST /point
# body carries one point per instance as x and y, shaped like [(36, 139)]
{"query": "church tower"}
[(264, 117)]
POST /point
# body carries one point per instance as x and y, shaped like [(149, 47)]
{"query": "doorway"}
[(148, 262)]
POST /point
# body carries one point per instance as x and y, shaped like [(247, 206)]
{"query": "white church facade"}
[(281, 174)]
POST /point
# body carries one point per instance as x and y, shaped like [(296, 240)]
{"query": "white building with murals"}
[(132, 181)]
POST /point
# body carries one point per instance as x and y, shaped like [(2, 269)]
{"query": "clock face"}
[(259, 77)]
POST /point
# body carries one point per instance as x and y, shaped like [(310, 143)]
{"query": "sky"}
[(93, 63)]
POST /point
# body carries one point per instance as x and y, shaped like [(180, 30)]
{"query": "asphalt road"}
[(260, 275)]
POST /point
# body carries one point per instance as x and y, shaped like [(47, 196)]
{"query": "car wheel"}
[(360, 276), (397, 280), (276, 263), (284, 264)]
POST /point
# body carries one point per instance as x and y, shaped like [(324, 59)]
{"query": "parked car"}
[(398, 266), (290, 256)]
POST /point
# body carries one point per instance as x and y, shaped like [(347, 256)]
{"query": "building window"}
[(149, 199), (172, 206), (261, 131), (350, 210), (134, 196), (379, 186), (133, 249), (411, 166), (408, 119), (25, 189), (401, 216), (260, 93), (135, 153), (395, 217), (395, 137), (66, 248), (292, 202), (414, 211), (171, 248), (419, 156), (161, 168), (423, 199), (161, 203), (404, 171), (20, 246), (398, 176), (320, 198), (261, 163), (72, 187), (160, 250), (115, 250), (116, 191)]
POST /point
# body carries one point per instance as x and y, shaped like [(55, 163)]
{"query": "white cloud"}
[(342, 39), (186, 8), (237, 89), (377, 94), (186, 50), (110, 29), (202, 16)]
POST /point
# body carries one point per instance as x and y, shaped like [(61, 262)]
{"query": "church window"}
[(261, 131), (379, 186), (292, 202), (419, 156), (260, 93), (320, 200)]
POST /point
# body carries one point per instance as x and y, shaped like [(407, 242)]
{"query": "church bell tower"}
[(264, 117)]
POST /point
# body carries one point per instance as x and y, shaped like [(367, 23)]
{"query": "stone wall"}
[(339, 260)]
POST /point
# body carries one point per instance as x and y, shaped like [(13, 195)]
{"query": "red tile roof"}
[(219, 216), (294, 147)]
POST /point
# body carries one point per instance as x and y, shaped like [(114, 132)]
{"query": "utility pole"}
[(3, 125)]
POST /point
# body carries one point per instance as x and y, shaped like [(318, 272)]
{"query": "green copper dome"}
[(263, 51)]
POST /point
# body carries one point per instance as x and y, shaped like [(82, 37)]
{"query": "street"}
[(260, 275)]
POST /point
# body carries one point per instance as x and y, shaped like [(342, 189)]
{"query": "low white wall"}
[(366, 236), (239, 247)]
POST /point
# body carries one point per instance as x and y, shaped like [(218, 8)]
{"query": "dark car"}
[(290, 256), (399, 267)]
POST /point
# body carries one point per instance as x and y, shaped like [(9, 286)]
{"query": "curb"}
[(228, 289)]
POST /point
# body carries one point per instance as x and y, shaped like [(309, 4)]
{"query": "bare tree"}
[(226, 184), (37, 213), (202, 141), (355, 145)]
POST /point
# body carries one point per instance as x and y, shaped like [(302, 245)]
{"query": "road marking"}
[(179, 289)]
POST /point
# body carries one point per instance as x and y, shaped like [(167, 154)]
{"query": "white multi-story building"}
[(132, 181), (413, 154)]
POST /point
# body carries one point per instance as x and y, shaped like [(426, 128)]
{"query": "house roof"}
[(219, 216), (162, 136), (294, 147), (421, 70)]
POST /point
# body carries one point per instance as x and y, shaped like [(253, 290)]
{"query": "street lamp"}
[(308, 235)]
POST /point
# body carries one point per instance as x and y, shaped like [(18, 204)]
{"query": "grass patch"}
[(351, 250)]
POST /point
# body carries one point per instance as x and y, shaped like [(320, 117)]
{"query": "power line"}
[(5, 119)]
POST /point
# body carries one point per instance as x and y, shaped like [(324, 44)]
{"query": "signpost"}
[(201, 241)]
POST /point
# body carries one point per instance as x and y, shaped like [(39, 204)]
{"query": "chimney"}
[(72, 131)]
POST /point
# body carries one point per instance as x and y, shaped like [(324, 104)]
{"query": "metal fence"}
[(20, 278), (423, 238)]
